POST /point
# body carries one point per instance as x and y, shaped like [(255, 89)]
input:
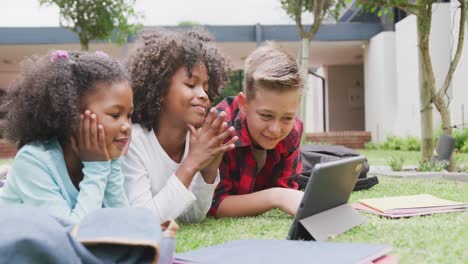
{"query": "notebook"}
[(284, 251), (411, 205)]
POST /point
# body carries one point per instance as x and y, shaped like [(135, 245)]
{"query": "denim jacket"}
[(108, 235)]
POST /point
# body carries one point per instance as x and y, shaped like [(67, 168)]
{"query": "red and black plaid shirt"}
[(238, 168)]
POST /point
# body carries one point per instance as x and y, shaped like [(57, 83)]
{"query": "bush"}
[(396, 163), (411, 144), (432, 165), (392, 143), (461, 139), (462, 165), (398, 143), (371, 146)]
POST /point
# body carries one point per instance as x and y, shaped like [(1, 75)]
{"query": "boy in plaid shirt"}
[(260, 173)]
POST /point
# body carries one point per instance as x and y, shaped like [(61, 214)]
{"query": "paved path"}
[(408, 172)]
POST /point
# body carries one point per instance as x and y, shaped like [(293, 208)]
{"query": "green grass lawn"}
[(381, 157), (441, 238)]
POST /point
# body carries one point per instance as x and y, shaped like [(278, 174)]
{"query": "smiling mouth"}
[(121, 143), (271, 139), (200, 108)]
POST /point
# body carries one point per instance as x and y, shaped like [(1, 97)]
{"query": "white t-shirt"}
[(150, 181)]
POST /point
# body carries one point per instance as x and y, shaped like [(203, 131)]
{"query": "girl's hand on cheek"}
[(90, 141)]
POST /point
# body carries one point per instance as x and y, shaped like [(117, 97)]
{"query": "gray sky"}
[(27, 13)]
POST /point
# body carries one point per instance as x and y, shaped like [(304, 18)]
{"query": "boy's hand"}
[(207, 142), (90, 141), (287, 200)]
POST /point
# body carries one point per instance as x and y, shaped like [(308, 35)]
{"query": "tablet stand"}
[(332, 222)]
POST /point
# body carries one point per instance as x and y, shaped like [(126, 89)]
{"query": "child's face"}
[(187, 100), (113, 105), (270, 115)]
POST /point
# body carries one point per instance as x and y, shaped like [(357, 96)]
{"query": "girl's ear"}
[(242, 101)]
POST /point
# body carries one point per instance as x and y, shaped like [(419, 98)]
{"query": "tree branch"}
[(407, 7), (461, 39), (298, 18)]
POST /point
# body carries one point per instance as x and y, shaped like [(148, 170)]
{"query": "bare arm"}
[(256, 203)]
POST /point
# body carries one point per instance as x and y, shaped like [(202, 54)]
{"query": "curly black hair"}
[(158, 55), (44, 101)]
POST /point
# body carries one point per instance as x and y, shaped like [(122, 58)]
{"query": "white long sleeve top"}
[(150, 181)]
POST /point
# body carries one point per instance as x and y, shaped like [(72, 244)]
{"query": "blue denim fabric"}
[(29, 235), (108, 235)]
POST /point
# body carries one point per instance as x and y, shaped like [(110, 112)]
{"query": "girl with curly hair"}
[(70, 113), (177, 141)]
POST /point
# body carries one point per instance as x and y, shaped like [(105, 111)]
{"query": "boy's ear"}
[(242, 101)]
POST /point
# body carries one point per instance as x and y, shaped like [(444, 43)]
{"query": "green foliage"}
[(188, 23), (397, 143), (371, 146), (434, 165), (411, 143), (295, 8), (392, 143), (99, 19), (464, 148), (461, 161), (396, 163), (234, 87), (461, 139)]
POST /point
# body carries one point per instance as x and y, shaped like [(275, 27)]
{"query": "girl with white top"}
[(177, 140)]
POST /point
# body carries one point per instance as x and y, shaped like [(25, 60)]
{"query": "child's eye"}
[(115, 115), (263, 116), (287, 119), (190, 85)]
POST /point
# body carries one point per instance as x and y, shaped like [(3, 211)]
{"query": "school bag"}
[(312, 154)]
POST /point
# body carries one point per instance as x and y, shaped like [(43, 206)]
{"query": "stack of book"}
[(407, 206)]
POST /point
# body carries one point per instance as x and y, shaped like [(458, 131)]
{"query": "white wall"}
[(407, 118), (392, 76), (380, 85), (314, 105), (460, 78)]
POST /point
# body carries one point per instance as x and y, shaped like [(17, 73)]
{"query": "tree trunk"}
[(440, 102), (444, 111), (84, 45), (84, 41), (305, 73), (426, 87)]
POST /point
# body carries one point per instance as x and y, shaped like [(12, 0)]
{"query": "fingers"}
[(192, 129), (91, 143), (85, 129), (218, 122), (209, 119), (232, 141), (219, 139), (101, 137), (93, 130)]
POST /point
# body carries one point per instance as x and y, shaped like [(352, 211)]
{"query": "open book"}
[(411, 205)]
